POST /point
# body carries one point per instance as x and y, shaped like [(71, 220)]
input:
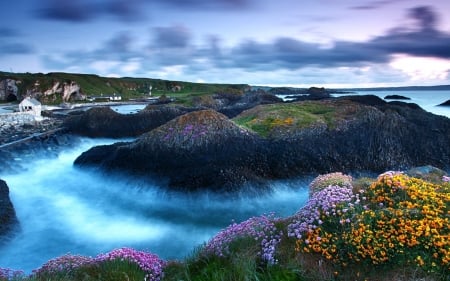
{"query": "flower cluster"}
[(147, 262), (408, 221), (322, 181), (328, 213), (9, 274), (398, 219), (445, 179), (151, 264), (261, 228), (330, 207), (65, 263)]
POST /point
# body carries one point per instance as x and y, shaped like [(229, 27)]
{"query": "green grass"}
[(128, 87), (266, 119)]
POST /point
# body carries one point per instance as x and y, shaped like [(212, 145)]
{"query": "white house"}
[(31, 105)]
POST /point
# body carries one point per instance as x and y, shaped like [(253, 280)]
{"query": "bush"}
[(322, 181)]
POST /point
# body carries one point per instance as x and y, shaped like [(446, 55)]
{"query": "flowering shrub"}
[(400, 220), (261, 228), (9, 274), (322, 181), (66, 263), (147, 262), (408, 222), (151, 264), (319, 223)]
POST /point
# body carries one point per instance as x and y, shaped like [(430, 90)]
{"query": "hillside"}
[(54, 87)]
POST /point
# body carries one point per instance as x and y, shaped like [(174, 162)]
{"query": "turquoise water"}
[(63, 209)]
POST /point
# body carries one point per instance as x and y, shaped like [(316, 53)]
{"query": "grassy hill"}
[(128, 87)]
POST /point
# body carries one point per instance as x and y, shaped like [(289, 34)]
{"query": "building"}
[(31, 105)]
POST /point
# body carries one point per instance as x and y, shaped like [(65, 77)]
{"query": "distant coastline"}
[(403, 88)]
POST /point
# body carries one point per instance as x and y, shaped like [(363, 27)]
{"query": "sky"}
[(303, 43)]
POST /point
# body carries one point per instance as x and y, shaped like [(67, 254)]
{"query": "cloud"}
[(13, 48), (176, 36), (426, 17), (85, 10), (66, 10), (172, 48), (8, 46), (210, 4), (125, 10)]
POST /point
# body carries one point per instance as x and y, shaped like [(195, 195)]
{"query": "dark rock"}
[(396, 97), (445, 103), (8, 218), (428, 173), (105, 122), (202, 149)]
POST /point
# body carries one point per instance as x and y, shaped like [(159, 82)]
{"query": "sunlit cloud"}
[(422, 68)]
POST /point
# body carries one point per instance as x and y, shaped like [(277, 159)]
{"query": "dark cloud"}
[(425, 15), (15, 48), (85, 10), (66, 10), (125, 10), (210, 4), (171, 37), (374, 4), (121, 43)]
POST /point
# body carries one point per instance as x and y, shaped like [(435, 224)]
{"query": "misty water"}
[(63, 209)]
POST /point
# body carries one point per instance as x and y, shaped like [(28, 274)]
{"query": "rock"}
[(428, 173), (72, 91), (445, 103), (105, 122), (8, 90), (201, 149), (396, 97), (8, 218), (204, 149)]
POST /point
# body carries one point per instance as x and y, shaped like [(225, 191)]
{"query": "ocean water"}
[(428, 100), (63, 209)]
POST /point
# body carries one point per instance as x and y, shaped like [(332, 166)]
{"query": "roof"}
[(31, 101)]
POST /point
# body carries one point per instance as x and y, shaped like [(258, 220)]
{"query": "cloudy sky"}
[(332, 43)]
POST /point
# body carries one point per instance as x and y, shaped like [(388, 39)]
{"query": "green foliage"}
[(129, 88), (267, 119)]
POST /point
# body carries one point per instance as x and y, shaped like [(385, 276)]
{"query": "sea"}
[(63, 209)]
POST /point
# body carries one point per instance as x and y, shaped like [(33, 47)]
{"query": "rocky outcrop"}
[(8, 90), (204, 149), (396, 97), (72, 91), (105, 122), (445, 103), (8, 218)]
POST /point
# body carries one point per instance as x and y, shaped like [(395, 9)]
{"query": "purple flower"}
[(65, 263), (261, 229), (10, 274), (151, 264)]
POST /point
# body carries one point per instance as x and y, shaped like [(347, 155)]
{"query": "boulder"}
[(105, 122), (201, 149), (8, 218)]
